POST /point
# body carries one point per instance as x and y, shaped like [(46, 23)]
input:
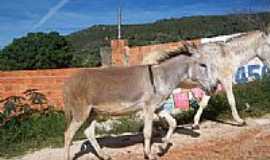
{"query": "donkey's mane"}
[(242, 35), (159, 56)]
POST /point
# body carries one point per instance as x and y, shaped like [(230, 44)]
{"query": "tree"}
[(87, 58), (37, 51)]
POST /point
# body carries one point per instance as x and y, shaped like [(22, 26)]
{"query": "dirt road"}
[(214, 141)]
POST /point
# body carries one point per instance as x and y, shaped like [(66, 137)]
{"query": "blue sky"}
[(17, 17)]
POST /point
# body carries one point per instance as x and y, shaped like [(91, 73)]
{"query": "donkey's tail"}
[(68, 118)]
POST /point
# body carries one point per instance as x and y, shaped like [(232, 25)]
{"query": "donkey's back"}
[(111, 89)]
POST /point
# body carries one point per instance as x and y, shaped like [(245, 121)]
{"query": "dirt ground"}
[(214, 141)]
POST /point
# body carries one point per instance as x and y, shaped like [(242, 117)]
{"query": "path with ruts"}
[(214, 141)]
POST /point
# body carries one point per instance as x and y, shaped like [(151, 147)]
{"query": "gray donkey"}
[(227, 58), (122, 90)]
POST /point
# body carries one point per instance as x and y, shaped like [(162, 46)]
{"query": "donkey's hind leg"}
[(172, 125), (202, 105), (227, 83), (90, 134), (147, 131), (69, 134)]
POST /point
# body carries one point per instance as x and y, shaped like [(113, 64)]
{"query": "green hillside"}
[(167, 30), (81, 49)]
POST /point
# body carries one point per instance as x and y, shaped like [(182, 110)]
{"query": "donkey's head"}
[(203, 71), (204, 74), (200, 70)]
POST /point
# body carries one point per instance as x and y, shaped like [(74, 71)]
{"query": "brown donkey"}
[(123, 90)]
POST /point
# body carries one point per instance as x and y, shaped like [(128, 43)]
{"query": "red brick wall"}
[(118, 50), (48, 82), (121, 51)]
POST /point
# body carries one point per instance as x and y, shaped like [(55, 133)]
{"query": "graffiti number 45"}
[(253, 71)]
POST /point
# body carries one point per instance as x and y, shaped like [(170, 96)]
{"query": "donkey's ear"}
[(196, 56), (267, 37), (190, 47)]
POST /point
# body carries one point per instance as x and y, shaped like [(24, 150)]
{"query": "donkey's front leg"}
[(227, 83), (202, 105), (147, 131), (172, 125)]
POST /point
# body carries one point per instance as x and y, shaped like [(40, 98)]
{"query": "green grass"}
[(256, 94), (124, 124), (39, 130), (34, 132)]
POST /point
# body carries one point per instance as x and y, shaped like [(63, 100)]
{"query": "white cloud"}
[(51, 12)]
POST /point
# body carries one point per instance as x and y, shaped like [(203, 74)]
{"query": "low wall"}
[(49, 82), (122, 54)]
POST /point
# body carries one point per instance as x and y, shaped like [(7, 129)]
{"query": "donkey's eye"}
[(202, 65)]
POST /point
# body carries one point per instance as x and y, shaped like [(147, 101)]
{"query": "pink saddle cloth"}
[(181, 100), (198, 93)]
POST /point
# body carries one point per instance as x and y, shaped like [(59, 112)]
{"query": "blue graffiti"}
[(265, 70), (253, 71), (250, 71), (240, 77)]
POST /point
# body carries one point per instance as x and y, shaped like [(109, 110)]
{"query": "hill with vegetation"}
[(81, 49), (168, 30)]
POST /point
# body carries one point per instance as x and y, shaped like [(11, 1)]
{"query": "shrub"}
[(23, 128), (37, 130)]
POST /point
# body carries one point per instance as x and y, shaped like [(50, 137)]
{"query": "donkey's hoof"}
[(163, 148), (195, 127), (241, 124), (105, 157), (151, 157)]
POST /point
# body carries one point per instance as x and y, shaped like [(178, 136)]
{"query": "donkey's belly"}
[(118, 109), (188, 84)]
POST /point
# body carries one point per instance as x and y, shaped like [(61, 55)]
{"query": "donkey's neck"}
[(168, 75), (244, 58), (245, 48)]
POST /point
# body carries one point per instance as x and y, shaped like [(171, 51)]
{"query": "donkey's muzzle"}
[(213, 89)]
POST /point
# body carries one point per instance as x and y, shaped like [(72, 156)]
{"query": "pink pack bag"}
[(181, 99), (198, 93), (220, 88)]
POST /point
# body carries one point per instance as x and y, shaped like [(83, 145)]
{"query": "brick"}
[(7, 88), (48, 82), (51, 81), (8, 94)]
